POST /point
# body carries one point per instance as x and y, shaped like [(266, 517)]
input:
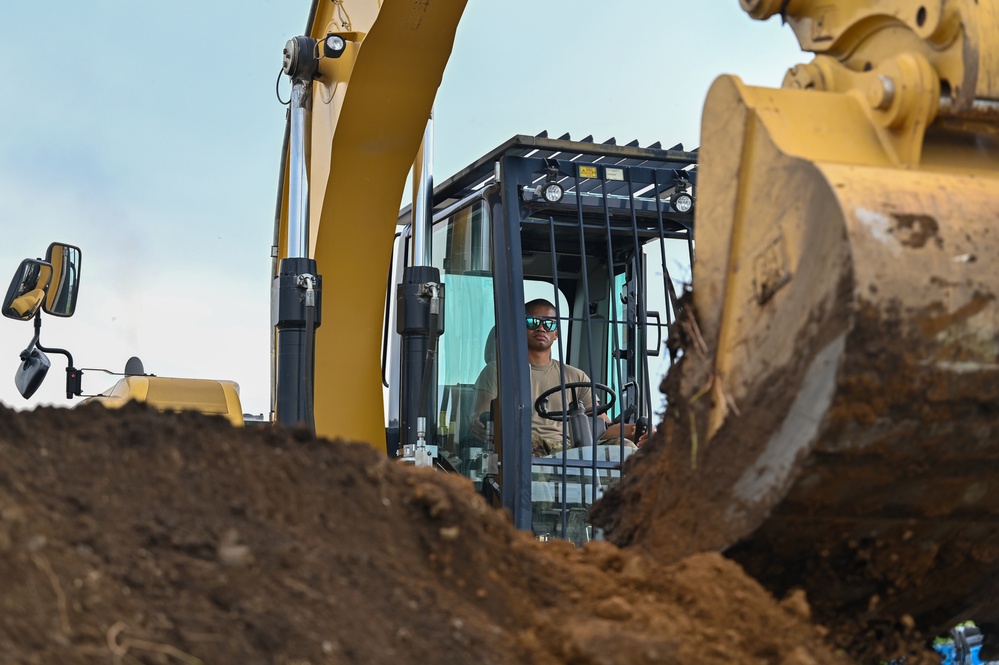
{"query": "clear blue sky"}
[(149, 135)]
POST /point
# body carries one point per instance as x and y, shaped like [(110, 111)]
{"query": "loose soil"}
[(132, 536), (884, 514)]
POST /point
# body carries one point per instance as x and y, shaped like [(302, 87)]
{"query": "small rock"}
[(634, 570), (236, 556), (796, 603), (12, 513), (449, 532), (375, 473), (614, 608), (799, 656), (231, 553), (36, 543), (433, 498)]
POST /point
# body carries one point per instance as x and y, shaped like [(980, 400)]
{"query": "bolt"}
[(804, 77), (881, 92)]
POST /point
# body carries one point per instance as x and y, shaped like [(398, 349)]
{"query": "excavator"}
[(830, 422), (831, 394)]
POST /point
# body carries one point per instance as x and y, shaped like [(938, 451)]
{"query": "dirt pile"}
[(139, 537), (874, 499)]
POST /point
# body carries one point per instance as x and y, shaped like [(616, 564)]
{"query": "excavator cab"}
[(596, 230)]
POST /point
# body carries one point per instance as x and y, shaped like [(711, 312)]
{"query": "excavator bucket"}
[(835, 424)]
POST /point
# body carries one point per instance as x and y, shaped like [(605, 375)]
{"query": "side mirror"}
[(61, 297), (27, 290), (34, 366)]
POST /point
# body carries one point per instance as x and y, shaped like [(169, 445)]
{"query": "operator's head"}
[(542, 326)]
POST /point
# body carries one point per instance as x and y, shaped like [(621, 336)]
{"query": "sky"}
[(149, 135)]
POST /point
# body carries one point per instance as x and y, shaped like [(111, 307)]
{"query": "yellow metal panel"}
[(168, 394)]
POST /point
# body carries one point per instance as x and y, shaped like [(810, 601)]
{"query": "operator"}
[(546, 434)]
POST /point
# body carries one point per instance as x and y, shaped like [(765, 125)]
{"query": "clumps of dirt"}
[(884, 517), (139, 537)]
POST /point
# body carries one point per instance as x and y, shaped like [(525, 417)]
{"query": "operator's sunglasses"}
[(533, 323)]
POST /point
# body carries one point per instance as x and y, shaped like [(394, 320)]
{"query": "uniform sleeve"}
[(487, 380), (586, 395)]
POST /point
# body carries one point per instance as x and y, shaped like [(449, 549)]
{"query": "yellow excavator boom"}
[(368, 112)]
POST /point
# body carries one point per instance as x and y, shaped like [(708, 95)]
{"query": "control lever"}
[(641, 427)]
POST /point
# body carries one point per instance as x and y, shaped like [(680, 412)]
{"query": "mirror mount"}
[(74, 376), (34, 340)]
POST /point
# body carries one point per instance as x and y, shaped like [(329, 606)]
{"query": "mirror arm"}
[(64, 352), (34, 340), (74, 377)]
